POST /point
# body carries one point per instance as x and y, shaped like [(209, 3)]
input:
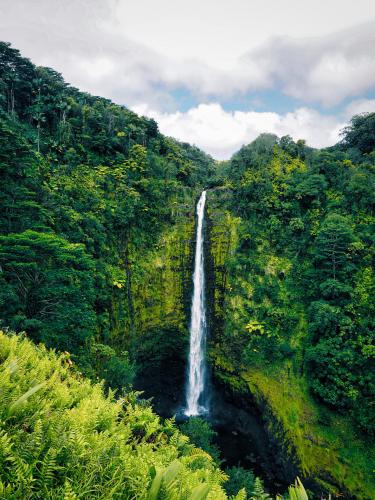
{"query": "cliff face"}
[(221, 241), (269, 404), (305, 437), (162, 292), (151, 311)]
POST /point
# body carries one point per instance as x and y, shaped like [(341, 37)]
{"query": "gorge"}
[(241, 430), (234, 292)]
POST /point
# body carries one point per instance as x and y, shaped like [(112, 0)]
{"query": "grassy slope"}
[(324, 443)]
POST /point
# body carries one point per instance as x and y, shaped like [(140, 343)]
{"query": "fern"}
[(64, 439), (69, 492), (241, 495), (47, 469), (24, 479), (258, 492), (6, 490), (7, 457)]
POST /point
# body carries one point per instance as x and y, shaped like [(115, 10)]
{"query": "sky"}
[(215, 73)]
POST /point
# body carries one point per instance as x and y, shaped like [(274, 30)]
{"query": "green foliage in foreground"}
[(62, 438)]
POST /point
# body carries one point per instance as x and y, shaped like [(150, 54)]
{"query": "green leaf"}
[(21, 400), (172, 471), (155, 485), (297, 492), (200, 492)]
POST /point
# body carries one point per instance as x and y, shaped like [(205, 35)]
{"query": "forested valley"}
[(97, 239)]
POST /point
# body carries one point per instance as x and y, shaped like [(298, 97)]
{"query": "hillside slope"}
[(61, 437), (292, 241)]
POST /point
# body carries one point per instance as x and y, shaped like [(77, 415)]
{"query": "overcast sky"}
[(215, 73)]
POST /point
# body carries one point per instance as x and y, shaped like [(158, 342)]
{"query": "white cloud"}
[(326, 69), (221, 133), (141, 51), (217, 32), (359, 106)]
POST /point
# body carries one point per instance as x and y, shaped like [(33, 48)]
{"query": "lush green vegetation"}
[(297, 290), (62, 437), (202, 434), (87, 188), (96, 223)]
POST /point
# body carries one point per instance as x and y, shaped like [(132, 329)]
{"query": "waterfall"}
[(196, 375)]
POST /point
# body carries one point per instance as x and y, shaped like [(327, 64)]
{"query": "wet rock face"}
[(162, 305), (242, 434), (244, 440), (165, 385)]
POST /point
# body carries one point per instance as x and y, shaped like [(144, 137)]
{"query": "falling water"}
[(196, 380)]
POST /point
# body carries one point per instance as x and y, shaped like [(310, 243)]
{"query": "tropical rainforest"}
[(96, 255)]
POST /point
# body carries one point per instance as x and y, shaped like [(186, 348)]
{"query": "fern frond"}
[(23, 399), (297, 491), (69, 493), (47, 469)]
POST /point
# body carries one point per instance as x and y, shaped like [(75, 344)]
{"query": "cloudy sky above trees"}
[(215, 73)]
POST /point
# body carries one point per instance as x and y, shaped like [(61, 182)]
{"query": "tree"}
[(20, 177), (102, 361), (47, 288), (310, 188), (16, 75), (332, 244), (287, 144), (360, 134), (202, 435), (361, 190)]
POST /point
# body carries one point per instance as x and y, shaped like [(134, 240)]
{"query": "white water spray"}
[(196, 381)]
